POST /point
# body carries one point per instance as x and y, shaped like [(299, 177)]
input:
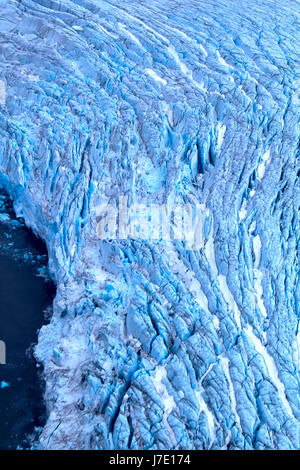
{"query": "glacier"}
[(152, 345)]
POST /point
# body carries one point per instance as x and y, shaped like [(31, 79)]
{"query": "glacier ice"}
[(152, 345)]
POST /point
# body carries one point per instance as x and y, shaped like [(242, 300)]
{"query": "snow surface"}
[(156, 344)]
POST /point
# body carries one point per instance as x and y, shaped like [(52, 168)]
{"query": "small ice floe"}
[(4, 218), (4, 384), (156, 77)]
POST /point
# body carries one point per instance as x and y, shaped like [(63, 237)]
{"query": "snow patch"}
[(262, 166), (167, 399), (229, 299), (221, 129), (225, 364), (184, 69), (271, 366), (221, 60), (204, 407), (210, 254), (156, 77), (258, 275)]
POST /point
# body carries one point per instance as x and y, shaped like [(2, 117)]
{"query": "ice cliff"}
[(153, 345)]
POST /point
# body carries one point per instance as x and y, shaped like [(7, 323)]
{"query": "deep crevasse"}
[(152, 345)]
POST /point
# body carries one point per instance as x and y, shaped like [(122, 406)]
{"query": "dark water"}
[(25, 295)]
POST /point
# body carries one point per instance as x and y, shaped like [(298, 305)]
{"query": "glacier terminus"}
[(179, 113)]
